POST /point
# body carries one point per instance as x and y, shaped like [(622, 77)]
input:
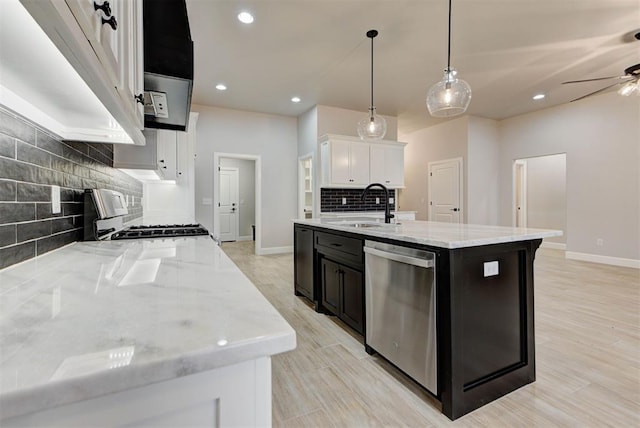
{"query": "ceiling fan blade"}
[(596, 79), (596, 92)]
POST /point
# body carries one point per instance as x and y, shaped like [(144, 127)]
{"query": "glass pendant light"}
[(451, 96), (372, 127)]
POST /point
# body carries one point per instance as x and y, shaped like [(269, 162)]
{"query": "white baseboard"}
[(595, 258), (244, 238), (554, 245), (274, 250)]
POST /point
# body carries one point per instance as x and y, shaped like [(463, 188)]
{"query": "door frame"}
[(519, 166), (460, 163), (237, 171), (258, 191), (301, 191)]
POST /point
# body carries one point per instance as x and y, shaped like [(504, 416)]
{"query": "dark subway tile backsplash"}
[(331, 200), (17, 253), (31, 161)]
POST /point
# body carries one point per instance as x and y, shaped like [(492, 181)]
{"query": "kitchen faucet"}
[(387, 212)]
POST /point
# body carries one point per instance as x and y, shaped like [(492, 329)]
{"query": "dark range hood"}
[(168, 64)]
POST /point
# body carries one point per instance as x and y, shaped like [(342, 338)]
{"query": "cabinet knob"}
[(161, 161), (105, 7), (139, 98), (111, 21), (164, 167)]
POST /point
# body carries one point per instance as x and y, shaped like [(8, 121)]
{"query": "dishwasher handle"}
[(423, 263)]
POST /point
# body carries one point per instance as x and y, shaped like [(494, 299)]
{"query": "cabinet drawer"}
[(340, 243)]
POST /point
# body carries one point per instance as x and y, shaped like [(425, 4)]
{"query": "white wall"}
[(546, 193), (447, 140), (482, 183), (274, 139), (340, 121), (308, 132), (601, 137), (246, 193)]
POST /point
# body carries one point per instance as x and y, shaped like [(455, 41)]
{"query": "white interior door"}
[(520, 178), (445, 191), (228, 211)]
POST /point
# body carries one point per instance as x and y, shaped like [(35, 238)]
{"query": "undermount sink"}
[(364, 224)]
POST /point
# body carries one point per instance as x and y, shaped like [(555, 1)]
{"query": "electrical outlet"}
[(133, 201), (599, 242), (344, 201), (377, 200), (391, 200), (491, 268), (55, 199)]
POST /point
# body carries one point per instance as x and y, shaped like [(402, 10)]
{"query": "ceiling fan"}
[(630, 80)]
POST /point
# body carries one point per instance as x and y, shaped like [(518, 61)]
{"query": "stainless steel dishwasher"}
[(400, 301)]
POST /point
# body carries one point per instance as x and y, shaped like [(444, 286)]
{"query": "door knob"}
[(455, 209)]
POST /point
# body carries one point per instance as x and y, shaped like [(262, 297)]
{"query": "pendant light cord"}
[(448, 43), (372, 75)]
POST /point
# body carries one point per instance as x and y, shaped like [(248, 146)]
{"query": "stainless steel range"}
[(104, 211), (160, 231)]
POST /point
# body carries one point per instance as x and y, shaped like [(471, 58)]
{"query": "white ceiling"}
[(507, 50)]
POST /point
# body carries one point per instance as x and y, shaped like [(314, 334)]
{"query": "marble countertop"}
[(95, 318), (436, 234)]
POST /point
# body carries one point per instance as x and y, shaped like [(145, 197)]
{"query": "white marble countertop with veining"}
[(95, 318), (436, 234)]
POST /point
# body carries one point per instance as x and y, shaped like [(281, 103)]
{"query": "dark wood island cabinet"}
[(484, 298)]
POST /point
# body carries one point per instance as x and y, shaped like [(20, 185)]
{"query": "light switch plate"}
[(344, 201), (55, 199), (377, 200), (491, 268)]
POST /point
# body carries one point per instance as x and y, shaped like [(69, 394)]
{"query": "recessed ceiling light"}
[(295, 100), (221, 87), (538, 96), (245, 17)]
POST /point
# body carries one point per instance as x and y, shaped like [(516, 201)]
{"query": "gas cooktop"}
[(160, 231)]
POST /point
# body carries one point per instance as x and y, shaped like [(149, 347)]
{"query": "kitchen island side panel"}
[(486, 325)]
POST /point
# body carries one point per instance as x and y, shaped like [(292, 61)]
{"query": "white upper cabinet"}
[(387, 164), (344, 163), (102, 42), (167, 153), (350, 162)]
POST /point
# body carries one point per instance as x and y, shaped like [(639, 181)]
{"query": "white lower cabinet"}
[(235, 395)]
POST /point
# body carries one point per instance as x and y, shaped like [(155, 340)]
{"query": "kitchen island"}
[(483, 295), (155, 332)]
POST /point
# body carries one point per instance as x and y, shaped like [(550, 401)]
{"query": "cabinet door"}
[(182, 157), (352, 308), (394, 165), (387, 165), (130, 50), (330, 276), (359, 163), (377, 164), (304, 261), (98, 28), (340, 173), (167, 153)]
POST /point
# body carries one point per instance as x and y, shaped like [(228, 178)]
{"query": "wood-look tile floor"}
[(587, 356)]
